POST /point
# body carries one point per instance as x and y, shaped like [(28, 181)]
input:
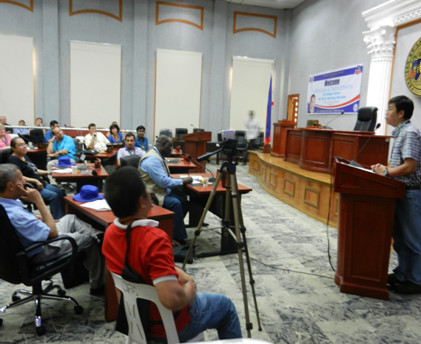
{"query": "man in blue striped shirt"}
[(405, 166)]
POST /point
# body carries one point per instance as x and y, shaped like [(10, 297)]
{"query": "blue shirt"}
[(407, 144), (28, 228), (142, 144), (161, 177), (68, 144), (48, 135), (21, 131), (111, 138)]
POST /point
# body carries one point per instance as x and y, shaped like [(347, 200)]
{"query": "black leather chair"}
[(367, 119), (240, 137), (4, 155), (36, 136), (16, 267), (180, 132), (195, 130), (130, 160), (166, 132)]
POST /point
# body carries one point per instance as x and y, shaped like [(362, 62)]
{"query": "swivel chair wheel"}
[(15, 298), (78, 309), (40, 330), (1, 322), (61, 292)]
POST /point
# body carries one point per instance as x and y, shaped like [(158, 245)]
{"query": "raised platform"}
[(310, 192)]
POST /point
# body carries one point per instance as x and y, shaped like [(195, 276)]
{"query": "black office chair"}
[(130, 160), (240, 137), (16, 267), (367, 119), (4, 155), (195, 130), (180, 132), (36, 136), (166, 132)]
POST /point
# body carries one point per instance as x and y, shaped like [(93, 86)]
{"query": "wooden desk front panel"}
[(293, 145), (315, 151)]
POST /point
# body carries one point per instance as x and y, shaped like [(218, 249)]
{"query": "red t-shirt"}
[(150, 255)]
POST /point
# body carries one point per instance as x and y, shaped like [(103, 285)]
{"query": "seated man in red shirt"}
[(151, 256)]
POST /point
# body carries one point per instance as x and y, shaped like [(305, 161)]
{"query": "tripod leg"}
[(236, 212), (202, 220)]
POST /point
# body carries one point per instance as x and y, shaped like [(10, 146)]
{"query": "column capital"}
[(380, 41)]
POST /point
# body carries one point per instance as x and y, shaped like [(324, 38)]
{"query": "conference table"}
[(90, 176), (179, 165), (101, 220), (199, 195)]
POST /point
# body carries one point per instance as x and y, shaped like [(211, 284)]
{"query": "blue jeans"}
[(407, 237), (177, 204), (212, 311), (54, 196)]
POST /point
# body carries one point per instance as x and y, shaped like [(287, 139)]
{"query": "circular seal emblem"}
[(412, 69)]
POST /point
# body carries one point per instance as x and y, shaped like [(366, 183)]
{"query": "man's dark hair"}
[(123, 189), (130, 134), (91, 125), (140, 127), (403, 103), (53, 122), (7, 174)]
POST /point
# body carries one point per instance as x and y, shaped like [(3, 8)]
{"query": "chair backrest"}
[(130, 160), (9, 247), (166, 132), (36, 136), (133, 291), (78, 146), (179, 132), (195, 130), (4, 155), (367, 118)]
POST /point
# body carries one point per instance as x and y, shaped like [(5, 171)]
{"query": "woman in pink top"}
[(4, 138)]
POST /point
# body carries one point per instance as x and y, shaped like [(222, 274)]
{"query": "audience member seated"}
[(165, 190), (95, 140), (130, 148), (49, 133), (21, 131), (39, 122), (4, 138), (150, 255), (30, 229), (115, 135), (51, 194), (3, 120), (141, 140), (60, 146)]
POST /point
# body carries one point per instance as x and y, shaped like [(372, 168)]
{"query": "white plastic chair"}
[(133, 291)]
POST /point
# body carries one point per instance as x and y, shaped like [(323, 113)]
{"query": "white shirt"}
[(253, 128), (100, 143)]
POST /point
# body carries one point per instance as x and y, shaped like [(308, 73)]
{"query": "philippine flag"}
[(269, 114)]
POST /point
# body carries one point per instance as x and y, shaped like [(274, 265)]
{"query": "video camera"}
[(228, 146)]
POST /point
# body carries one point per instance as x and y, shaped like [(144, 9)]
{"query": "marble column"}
[(380, 43)]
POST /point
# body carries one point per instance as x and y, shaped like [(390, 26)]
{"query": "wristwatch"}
[(385, 172)]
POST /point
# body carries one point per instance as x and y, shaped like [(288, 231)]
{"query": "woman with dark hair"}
[(33, 175), (115, 135)]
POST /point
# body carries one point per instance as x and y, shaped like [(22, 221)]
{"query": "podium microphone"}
[(353, 162), (326, 127)]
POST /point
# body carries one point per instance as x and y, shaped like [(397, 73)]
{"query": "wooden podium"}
[(196, 146), (366, 216)]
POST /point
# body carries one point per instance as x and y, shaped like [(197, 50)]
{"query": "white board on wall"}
[(17, 79), (178, 90), (249, 90), (95, 84)]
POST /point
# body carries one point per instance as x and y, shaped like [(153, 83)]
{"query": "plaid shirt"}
[(407, 144)]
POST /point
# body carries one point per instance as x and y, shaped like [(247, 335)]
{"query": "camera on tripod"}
[(228, 146)]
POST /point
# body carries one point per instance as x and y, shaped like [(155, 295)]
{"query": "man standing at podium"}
[(405, 166)]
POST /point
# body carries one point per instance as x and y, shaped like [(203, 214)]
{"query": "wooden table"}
[(95, 178), (101, 220), (176, 152), (178, 165), (199, 195)]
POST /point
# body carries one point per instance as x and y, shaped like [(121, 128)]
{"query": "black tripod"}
[(232, 202)]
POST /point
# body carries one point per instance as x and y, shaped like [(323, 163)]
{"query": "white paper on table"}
[(63, 170), (98, 205)]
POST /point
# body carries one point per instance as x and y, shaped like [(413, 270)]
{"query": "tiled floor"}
[(297, 298)]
